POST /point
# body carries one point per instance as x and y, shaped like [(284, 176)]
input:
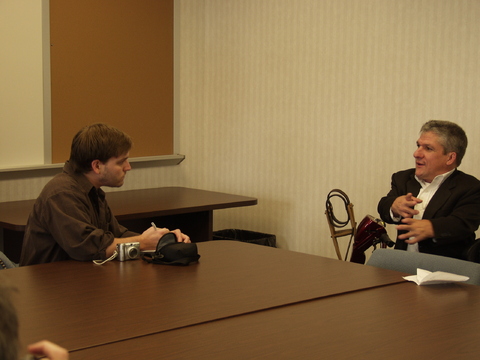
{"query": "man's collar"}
[(437, 180), (81, 179)]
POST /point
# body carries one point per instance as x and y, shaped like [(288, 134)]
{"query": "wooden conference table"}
[(81, 306), (190, 210), (400, 321)]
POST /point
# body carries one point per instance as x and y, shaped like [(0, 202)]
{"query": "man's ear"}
[(96, 166), (452, 158)]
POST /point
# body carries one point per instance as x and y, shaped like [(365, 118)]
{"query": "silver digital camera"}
[(128, 251)]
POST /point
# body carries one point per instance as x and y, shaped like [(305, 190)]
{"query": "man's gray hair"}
[(451, 137)]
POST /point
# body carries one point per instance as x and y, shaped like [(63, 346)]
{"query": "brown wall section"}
[(112, 62)]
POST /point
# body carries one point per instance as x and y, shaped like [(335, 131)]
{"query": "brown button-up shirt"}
[(71, 219)]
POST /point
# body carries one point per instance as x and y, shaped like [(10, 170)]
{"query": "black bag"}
[(171, 252)]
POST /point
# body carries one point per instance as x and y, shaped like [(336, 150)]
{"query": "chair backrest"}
[(5, 262), (334, 223), (408, 262), (474, 252)]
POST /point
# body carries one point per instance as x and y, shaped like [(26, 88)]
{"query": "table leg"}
[(12, 244), (197, 225)]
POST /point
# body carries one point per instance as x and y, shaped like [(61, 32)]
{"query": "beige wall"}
[(21, 83), (285, 100)]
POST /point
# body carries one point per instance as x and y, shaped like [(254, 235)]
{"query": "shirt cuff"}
[(395, 218)]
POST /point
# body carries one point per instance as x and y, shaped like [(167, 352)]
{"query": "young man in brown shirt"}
[(71, 218)]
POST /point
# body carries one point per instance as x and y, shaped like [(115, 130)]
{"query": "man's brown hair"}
[(97, 142)]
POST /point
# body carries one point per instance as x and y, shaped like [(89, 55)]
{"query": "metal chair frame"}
[(336, 226)]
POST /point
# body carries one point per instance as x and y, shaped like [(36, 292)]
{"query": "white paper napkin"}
[(425, 277)]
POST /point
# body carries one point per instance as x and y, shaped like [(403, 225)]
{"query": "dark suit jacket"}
[(454, 211)]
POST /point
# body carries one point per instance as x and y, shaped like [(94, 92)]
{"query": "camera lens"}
[(132, 252)]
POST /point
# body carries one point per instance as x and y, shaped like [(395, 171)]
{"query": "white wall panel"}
[(302, 96)]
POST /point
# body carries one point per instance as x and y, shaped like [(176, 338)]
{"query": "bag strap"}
[(148, 257)]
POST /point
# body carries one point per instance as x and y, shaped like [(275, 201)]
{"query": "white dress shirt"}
[(426, 193)]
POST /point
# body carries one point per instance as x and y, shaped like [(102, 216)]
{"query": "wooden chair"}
[(338, 228)]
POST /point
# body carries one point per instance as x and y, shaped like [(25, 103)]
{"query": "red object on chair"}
[(370, 232)]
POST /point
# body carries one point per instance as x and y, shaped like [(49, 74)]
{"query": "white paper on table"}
[(425, 277)]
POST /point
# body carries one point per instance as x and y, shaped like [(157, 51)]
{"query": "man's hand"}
[(417, 230), (149, 238), (181, 237), (403, 206), (152, 235), (48, 349)]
